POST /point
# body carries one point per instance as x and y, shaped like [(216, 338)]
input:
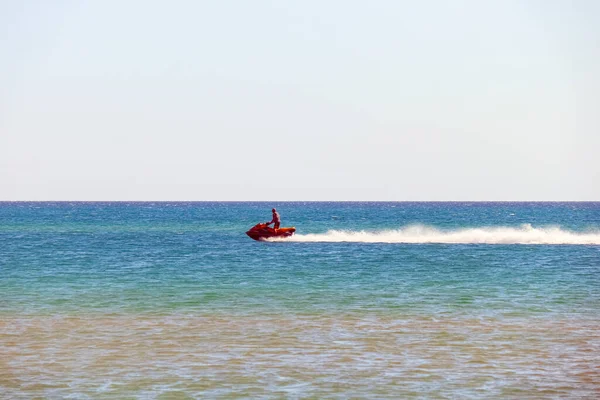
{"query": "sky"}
[(300, 100)]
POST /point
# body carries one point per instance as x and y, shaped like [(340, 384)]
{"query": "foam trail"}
[(524, 234)]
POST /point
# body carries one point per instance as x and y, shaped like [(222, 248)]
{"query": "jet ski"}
[(263, 232)]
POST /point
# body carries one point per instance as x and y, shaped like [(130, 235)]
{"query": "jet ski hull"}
[(264, 232)]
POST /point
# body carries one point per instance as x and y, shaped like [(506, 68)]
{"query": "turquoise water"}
[(477, 280), (165, 257)]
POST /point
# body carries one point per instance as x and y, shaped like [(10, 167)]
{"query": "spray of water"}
[(524, 234)]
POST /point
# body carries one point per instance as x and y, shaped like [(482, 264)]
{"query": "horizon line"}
[(299, 201)]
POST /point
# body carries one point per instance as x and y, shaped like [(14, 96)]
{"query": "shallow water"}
[(274, 355)]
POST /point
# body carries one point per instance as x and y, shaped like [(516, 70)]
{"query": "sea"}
[(369, 300)]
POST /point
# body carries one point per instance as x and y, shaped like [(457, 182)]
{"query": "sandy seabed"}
[(298, 356)]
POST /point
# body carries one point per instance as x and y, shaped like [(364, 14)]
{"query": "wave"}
[(524, 234)]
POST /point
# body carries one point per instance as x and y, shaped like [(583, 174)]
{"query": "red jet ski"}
[(263, 231)]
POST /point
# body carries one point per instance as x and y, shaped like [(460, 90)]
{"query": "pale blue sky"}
[(306, 100)]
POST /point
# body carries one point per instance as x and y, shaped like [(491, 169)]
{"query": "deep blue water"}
[(195, 258)]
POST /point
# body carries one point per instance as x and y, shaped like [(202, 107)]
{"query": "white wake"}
[(524, 234)]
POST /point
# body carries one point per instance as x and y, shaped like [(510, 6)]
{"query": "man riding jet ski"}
[(263, 231)]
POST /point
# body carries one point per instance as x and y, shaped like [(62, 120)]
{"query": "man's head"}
[(274, 210)]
